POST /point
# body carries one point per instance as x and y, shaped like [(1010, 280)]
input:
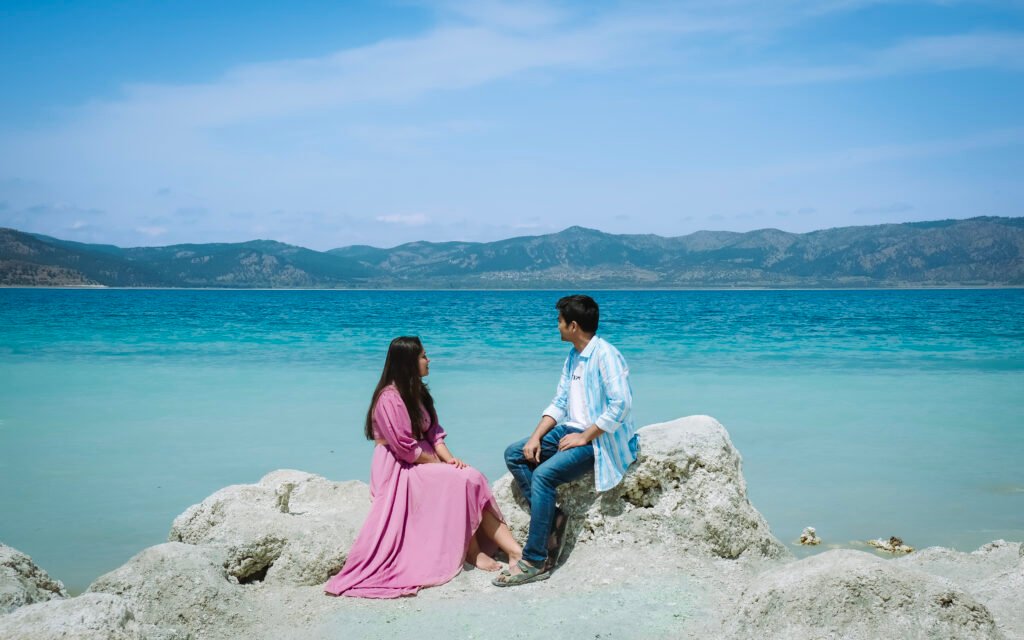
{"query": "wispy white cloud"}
[(412, 219), (916, 55), (152, 232), (239, 154), (861, 156), (523, 15), (894, 208), (410, 138), (393, 70), (87, 224)]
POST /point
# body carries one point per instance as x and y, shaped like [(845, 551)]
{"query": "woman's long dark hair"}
[(402, 368)]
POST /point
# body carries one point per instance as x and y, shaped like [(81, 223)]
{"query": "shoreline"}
[(540, 290), (678, 538)]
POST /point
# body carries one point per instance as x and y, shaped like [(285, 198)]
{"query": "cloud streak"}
[(1000, 51), (316, 145)]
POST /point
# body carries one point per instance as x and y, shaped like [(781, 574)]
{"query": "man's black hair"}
[(581, 309)]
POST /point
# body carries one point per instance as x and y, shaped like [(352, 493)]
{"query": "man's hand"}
[(531, 450), (571, 440)]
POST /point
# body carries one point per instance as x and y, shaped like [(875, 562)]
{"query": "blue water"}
[(863, 413)]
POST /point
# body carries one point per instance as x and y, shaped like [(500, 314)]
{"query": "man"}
[(588, 426)]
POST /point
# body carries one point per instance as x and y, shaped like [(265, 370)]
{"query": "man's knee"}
[(514, 453), (546, 476)]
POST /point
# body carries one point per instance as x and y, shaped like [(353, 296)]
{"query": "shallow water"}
[(863, 413)]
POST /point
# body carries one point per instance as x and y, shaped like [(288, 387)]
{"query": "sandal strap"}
[(528, 569), (527, 573)]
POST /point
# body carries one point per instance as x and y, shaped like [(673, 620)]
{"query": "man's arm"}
[(559, 407), (578, 439), (619, 401), (531, 450), (619, 396), (555, 412)]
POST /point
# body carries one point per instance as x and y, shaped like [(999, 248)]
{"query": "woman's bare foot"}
[(485, 562)]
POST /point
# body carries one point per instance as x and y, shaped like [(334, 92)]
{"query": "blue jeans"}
[(538, 484)]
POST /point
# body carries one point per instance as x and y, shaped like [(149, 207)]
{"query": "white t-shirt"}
[(578, 418)]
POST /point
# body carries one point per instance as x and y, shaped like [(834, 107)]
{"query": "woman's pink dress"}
[(422, 517)]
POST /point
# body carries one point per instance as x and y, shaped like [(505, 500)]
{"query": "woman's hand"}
[(458, 464)]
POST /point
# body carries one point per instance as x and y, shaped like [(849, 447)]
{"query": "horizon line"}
[(483, 242)]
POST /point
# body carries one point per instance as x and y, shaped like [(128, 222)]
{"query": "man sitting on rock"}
[(588, 426)]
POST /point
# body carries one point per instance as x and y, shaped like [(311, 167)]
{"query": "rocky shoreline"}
[(676, 550)]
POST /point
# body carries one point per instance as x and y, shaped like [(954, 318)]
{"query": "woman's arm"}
[(393, 423), (446, 456), (426, 457)]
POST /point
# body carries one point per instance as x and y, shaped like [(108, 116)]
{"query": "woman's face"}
[(424, 364)]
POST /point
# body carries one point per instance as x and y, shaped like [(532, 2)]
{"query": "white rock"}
[(993, 574), (22, 582), (93, 616), (892, 545), (292, 527), (809, 536), (856, 595), (685, 490), (177, 586)]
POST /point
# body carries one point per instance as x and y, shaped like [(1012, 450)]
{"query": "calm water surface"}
[(862, 413)]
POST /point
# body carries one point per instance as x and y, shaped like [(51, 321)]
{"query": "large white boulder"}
[(855, 595), (22, 582), (993, 574), (93, 616), (177, 586), (291, 527), (686, 490)]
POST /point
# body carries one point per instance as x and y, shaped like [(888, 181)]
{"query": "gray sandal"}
[(527, 574)]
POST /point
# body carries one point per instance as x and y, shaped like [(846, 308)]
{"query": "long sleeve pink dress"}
[(422, 517)]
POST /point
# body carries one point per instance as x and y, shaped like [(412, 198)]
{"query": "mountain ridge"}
[(981, 251)]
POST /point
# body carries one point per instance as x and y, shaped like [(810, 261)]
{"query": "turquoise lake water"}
[(863, 413)]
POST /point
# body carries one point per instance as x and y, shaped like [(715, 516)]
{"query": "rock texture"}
[(92, 616), (677, 541), (809, 536), (686, 489), (893, 545), (994, 574), (177, 586), (22, 582), (291, 527), (856, 595)]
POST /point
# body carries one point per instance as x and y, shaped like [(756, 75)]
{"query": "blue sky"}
[(329, 124)]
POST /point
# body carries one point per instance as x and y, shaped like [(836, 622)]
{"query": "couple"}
[(431, 511)]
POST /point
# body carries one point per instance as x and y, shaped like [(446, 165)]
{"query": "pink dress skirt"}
[(422, 518)]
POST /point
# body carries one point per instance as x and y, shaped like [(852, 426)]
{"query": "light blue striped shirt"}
[(609, 400)]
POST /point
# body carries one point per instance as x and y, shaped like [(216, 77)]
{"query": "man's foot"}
[(513, 561), (485, 562), (521, 572)]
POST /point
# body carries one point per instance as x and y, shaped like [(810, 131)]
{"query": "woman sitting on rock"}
[(430, 510)]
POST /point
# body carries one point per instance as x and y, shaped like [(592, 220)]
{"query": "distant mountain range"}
[(975, 252)]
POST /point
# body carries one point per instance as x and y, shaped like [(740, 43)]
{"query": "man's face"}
[(565, 330)]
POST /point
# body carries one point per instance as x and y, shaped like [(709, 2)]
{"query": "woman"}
[(430, 510)]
